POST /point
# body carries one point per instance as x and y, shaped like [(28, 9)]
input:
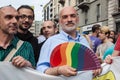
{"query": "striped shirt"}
[(26, 51)]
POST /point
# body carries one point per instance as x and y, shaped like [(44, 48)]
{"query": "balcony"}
[(62, 2), (84, 6)]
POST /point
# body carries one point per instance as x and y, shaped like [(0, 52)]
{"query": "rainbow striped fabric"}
[(75, 55)]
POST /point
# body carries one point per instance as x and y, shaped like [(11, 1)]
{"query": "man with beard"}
[(9, 51), (68, 20), (26, 14)]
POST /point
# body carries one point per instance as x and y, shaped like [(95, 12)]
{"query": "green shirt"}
[(26, 51)]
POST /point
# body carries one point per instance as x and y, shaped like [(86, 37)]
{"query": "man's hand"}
[(67, 71), (61, 70), (108, 59), (19, 61), (97, 71)]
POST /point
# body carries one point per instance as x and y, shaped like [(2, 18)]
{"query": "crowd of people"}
[(36, 53)]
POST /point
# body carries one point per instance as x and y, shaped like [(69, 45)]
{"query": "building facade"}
[(48, 11), (114, 18), (92, 12), (103, 12)]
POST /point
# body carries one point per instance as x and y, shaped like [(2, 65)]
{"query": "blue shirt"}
[(51, 43)]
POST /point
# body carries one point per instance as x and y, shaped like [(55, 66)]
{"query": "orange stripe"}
[(63, 54)]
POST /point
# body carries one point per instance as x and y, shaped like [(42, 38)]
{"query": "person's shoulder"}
[(97, 39), (52, 39), (41, 37), (27, 44), (35, 38), (93, 37), (83, 37), (31, 35), (110, 43), (54, 36), (100, 46)]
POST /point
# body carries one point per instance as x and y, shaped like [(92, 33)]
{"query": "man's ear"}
[(56, 30)]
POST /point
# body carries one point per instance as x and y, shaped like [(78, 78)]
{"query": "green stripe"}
[(74, 55), (26, 51)]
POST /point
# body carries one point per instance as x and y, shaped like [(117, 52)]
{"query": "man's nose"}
[(26, 19), (69, 18), (14, 20)]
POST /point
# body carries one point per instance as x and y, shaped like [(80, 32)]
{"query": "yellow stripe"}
[(68, 52)]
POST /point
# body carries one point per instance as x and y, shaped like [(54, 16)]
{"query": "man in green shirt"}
[(24, 56)]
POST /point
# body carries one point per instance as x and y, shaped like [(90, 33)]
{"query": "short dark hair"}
[(113, 32), (54, 24), (41, 31), (27, 7), (95, 27), (112, 39)]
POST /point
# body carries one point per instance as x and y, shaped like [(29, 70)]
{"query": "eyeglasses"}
[(25, 16)]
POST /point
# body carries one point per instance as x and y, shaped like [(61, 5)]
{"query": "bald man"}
[(68, 20), (48, 29)]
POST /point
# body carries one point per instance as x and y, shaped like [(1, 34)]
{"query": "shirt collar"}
[(69, 37), (13, 43)]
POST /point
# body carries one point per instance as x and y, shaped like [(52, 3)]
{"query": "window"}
[(44, 15), (47, 13), (79, 1), (51, 5), (86, 18), (118, 5), (98, 12)]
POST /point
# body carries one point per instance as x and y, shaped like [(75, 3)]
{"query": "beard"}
[(23, 28), (69, 26)]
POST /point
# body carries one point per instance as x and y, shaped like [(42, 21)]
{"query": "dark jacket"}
[(31, 39), (40, 45)]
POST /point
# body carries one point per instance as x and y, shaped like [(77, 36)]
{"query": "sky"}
[(36, 3)]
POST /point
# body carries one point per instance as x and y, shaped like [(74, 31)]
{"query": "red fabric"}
[(117, 45)]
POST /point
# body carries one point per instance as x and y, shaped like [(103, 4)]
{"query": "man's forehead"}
[(48, 22), (72, 12), (6, 7), (8, 10)]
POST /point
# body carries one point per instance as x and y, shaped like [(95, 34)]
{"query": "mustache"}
[(26, 23), (70, 22)]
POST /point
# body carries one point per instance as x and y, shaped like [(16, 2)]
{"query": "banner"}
[(110, 71), (10, 72)]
